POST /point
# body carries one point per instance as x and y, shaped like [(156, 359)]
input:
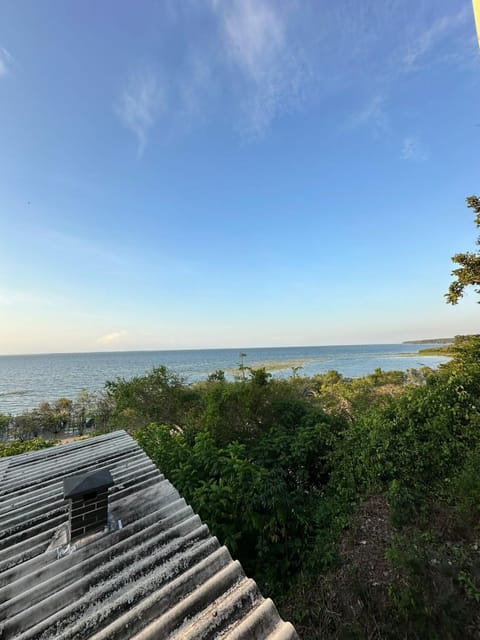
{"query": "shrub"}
[(17, 446)]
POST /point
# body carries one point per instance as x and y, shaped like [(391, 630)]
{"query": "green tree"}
[(4, 426), (259, 376), (468, 273), (216, 376), (295, 371), (241, 364), (160, 396)]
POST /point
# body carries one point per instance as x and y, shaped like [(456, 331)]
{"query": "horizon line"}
[(296, 346)]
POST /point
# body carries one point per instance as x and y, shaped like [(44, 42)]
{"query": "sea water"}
[(27, 380)]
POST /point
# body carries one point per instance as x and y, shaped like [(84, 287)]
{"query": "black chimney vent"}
[(88, 493)]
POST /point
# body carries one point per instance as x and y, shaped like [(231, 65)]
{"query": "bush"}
[(17, 446), (160, 396), (253, 463)]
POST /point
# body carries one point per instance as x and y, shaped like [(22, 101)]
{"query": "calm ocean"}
[(27, 380)]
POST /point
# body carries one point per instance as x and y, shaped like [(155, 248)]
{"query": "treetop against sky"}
[(201, 174)]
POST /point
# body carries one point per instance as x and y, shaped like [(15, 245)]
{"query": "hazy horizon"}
[(235, 348)]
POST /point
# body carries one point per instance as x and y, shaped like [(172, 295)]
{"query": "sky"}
[(234, 173)]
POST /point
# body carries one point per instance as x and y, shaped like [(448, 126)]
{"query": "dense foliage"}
[(467, 274), (253, 461)]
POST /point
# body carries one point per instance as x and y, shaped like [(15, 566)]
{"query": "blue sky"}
[(237, 173)]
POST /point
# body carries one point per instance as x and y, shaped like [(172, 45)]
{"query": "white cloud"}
[(427, 40), (413, 150), (194, 89), (5, 62), (78, 247), (141, 103), (112, 338), (254, 60), (251, 64), (258, 47), (373, 115), (255, 36)]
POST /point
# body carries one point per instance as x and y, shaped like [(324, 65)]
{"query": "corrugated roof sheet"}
[(156, 573)]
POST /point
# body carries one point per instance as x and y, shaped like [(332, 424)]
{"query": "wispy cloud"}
[(258, 46), (252, 64), (194, 89), (432, 36), (112, 338), (5, 62), (373, 114), (255, 60), (254, 34), (142, 101), (413, 150), (79, 247)]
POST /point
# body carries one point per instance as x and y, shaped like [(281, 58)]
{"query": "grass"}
[(437, 351)]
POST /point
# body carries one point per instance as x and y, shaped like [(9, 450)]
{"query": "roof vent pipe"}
[(88, 495)]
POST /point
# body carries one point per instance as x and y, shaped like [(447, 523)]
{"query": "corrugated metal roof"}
[(156, 573)]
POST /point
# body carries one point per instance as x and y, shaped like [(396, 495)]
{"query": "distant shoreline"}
[(431, 341), (427, 352)]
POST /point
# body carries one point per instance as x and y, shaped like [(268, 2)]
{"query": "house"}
[(95, 543)]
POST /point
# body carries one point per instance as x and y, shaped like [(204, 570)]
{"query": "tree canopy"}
[(468, 273)]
